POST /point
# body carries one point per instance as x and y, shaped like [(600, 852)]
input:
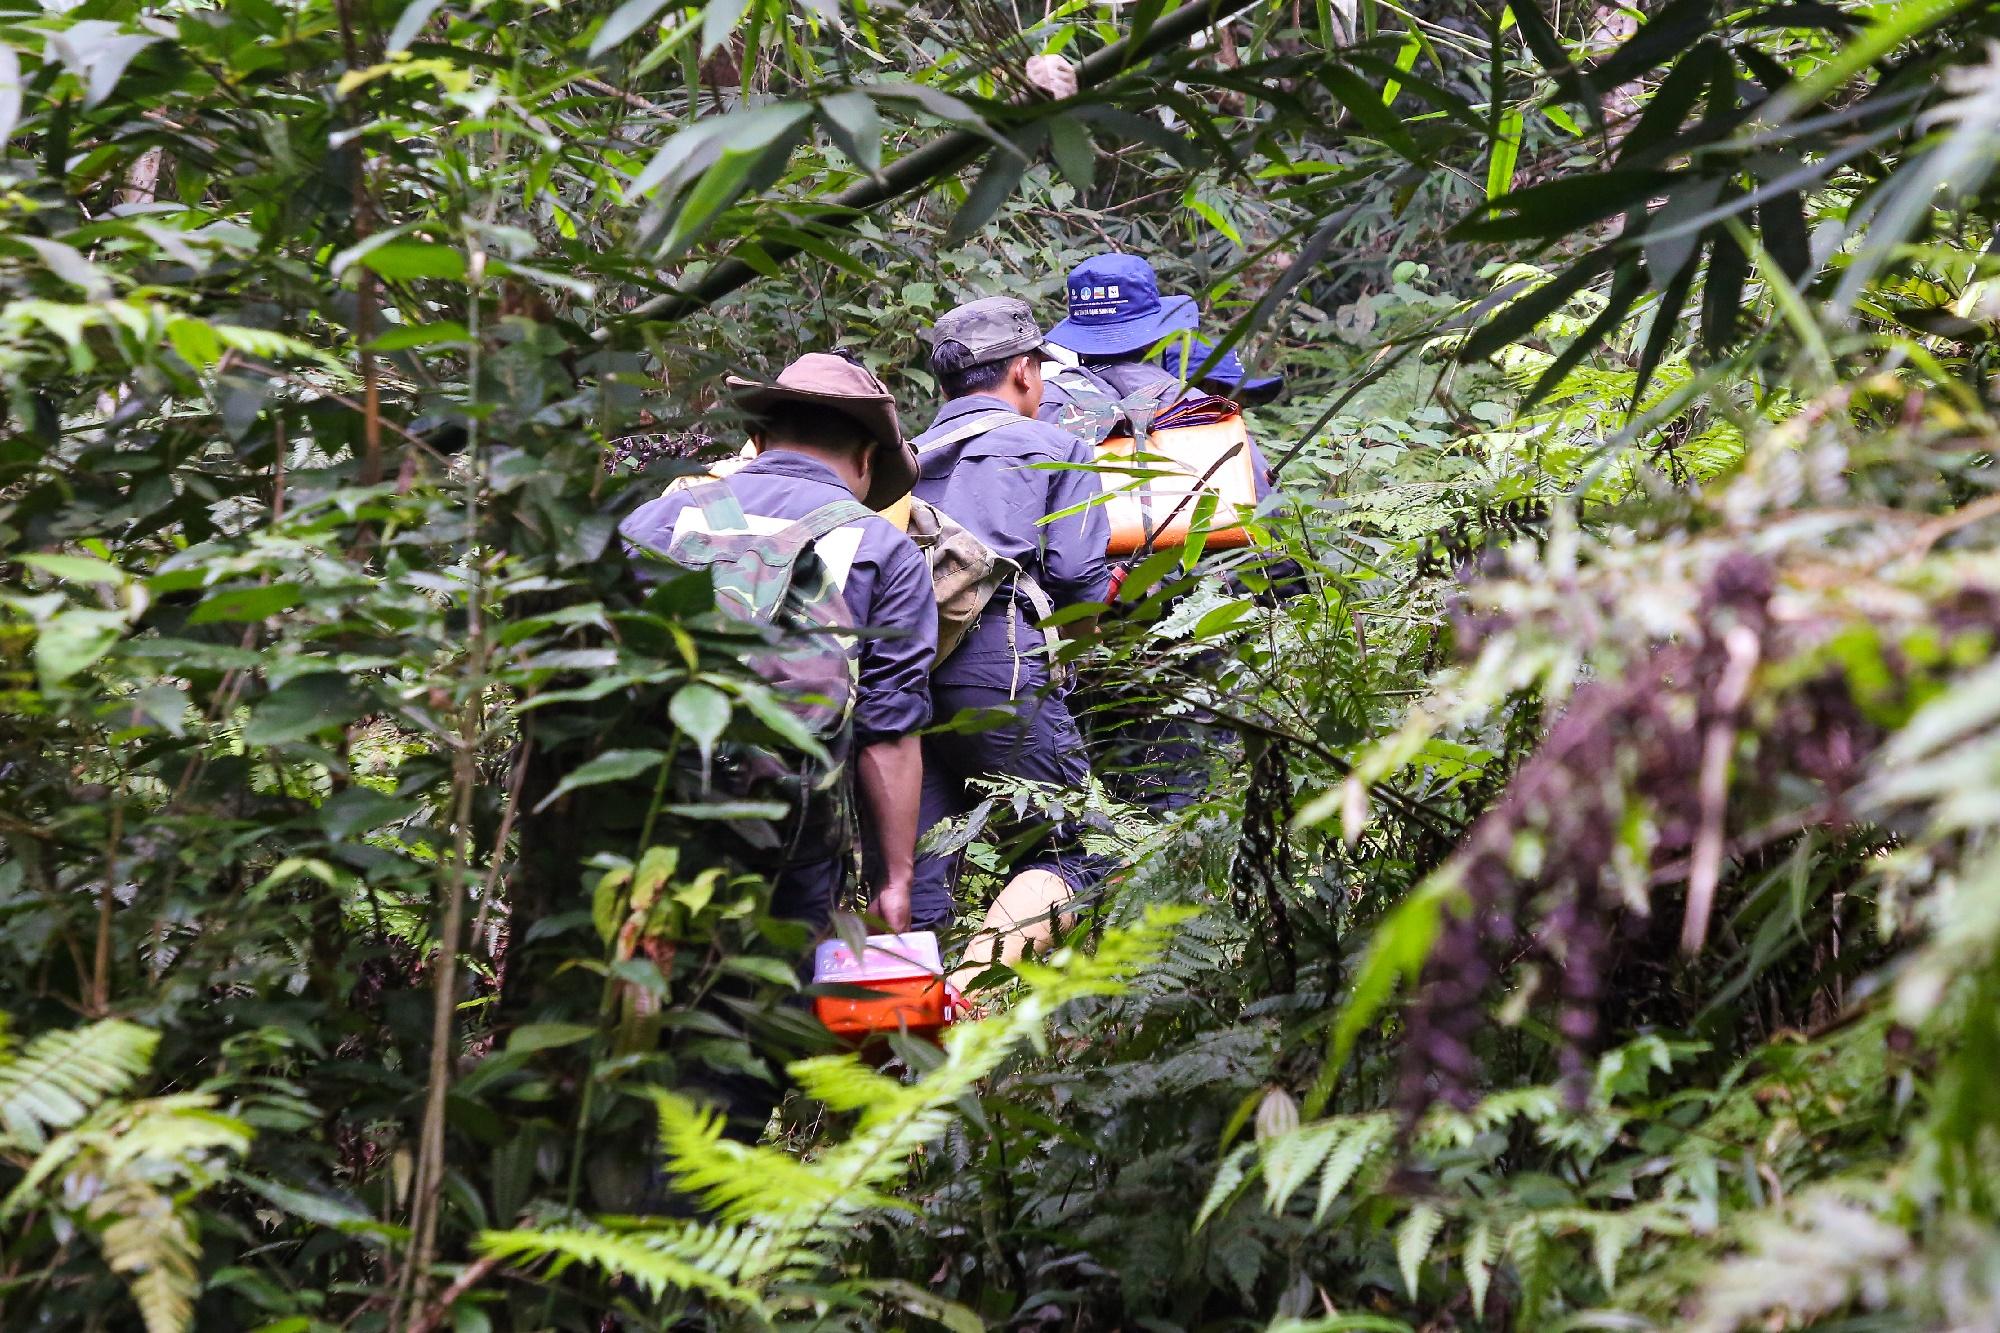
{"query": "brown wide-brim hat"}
[(821, 379)]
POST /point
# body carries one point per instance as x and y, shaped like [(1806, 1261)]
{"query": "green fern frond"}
[(740, 1181), (782, 1216), (1370, 1137), (658, 1260), (151, 1244), (1235, 1169), (178, 1131), (1290, 1159), (1414, 1240), (1481, 1249), (160, 1140), (60, 1076)]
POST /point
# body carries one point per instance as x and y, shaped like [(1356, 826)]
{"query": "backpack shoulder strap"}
[(959, 432), (788, 542)]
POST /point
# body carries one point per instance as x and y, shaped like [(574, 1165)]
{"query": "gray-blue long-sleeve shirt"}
[(998, 486)]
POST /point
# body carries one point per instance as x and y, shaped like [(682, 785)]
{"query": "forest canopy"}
[(1588, 918)]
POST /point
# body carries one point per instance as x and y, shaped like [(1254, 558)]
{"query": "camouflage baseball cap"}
[(993, 328)]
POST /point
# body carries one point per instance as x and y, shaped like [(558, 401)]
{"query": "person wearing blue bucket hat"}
[(1134, 347), (1115, 309), (1117, 320)]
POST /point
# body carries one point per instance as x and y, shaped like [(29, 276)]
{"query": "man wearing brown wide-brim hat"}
[(827, 381), (825, 431)]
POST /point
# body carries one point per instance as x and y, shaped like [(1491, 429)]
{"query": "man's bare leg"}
[(1022, 919)]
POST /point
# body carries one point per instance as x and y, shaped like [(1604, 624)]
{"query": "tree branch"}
[(942, 157)]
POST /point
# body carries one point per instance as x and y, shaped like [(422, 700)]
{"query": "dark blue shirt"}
[(993, 486), (883, 578), (1124, 378)]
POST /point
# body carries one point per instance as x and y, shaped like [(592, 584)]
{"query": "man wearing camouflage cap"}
[(985, 462)]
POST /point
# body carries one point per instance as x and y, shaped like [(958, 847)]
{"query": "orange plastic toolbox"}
[(906, 976)]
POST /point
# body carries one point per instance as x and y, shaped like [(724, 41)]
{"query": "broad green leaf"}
[(407, 337), (97, 52), (1368, 109), (10, 91), (1396, 952), (359, 809), (407, 260), (67, 263), (701, 712), (856, 126), (322, 1209), (718, 22), (72, 641), (729, 810), (772, 712), (1070, 142), (742, 131), (1003, 171), (1506, 152), (74, 568), (1674, 28), (927, 1305), (410, 23), (301, 707), (1406, 60), (197, 342), (611, 766), (1890, 26), (252, 603), (547, 1036), (625, 20)]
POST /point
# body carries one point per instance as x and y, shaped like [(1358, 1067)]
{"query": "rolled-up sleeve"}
[(1074, 565), (895, 697)]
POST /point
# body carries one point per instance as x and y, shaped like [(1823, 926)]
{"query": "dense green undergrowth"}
[(1591, 919)]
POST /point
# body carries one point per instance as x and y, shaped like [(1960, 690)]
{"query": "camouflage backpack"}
[(777, 581), (1093, 411)]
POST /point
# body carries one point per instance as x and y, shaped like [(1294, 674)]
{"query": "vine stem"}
[(475, 1272), (100, 977), (427, 1187)]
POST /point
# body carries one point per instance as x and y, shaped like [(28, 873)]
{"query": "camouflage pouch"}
[(965, 572)]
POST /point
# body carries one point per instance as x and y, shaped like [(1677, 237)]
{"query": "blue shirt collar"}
[(785, 463), (970, 404)]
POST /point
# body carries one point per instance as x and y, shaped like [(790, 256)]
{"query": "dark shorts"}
[(1040, 744)]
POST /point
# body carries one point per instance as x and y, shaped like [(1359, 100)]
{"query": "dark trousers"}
[(1039, 743)]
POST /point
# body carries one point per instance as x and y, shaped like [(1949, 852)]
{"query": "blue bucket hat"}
[(1115, 306), (1184, 356)]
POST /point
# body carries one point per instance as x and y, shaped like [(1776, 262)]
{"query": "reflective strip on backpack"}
[(837, 550)]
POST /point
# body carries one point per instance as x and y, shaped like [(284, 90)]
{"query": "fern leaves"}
[(152, 1245), (1336, 1150), (60, 1076), (1414, 1240), (1488, 1228), (688, 1258), (128, 1170), (1478, 1256), (780, 1216)]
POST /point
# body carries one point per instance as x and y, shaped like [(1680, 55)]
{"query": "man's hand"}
[(892, 903)]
